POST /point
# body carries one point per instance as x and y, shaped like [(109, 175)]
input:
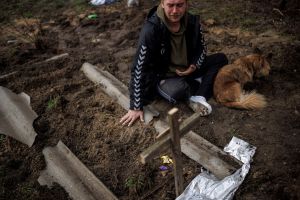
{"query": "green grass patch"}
[(135, 184), (2, 138), (27, 190), (234, 131), (52, 103)]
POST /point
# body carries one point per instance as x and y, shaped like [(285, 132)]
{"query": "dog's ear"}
[(257, 51)]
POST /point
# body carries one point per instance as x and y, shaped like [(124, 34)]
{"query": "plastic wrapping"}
[(205, 186), (101, 2), (131, 3)]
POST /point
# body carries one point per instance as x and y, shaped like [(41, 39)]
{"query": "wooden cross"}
[(176, 150), (192, 145), (179, 138)]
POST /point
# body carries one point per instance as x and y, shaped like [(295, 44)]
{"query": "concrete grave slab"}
[(115, 89), (17, 116), (64, 168)]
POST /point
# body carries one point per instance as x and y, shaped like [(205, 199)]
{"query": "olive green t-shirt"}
[(178, 43)]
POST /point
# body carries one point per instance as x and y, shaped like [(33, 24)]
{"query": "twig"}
[(8, 75), (277, 10), (57, 57)]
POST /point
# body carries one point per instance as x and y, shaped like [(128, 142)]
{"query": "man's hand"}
[(131, 116), (189, 70)]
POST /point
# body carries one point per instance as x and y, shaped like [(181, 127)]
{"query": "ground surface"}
[(72, 109)]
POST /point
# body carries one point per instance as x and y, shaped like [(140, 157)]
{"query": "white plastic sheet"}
[(206, 187), (131, 3), (102, 2)]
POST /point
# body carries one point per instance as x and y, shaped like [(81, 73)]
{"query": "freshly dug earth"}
[(74, 110)]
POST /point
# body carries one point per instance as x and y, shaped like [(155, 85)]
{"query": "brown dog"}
[(229, 82)]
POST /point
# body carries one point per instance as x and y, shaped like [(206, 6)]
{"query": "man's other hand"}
[(131, 116), (188, 71)]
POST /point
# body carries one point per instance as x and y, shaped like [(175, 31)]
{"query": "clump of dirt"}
[(74, 110)]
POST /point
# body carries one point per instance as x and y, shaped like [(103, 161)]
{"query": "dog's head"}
[(260, 64)]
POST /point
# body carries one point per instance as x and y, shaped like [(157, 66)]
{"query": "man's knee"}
[(173, 89)]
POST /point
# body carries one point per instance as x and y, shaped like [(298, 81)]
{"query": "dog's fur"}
[(229, 82)]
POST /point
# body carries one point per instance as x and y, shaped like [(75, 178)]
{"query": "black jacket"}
[(153, 56)]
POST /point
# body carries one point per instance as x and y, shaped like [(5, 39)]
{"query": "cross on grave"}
[(191, 144), (176, 150), (178, 138)]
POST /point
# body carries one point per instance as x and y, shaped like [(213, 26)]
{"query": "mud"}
[(87, 120)]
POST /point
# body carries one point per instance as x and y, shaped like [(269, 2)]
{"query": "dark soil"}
[(87, 120)]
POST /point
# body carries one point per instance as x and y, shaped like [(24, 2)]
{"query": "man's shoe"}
[(199, 105)]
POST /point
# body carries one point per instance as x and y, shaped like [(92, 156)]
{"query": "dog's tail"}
[(248, 101)]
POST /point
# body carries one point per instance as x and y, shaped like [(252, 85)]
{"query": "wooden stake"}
[(176, 150)]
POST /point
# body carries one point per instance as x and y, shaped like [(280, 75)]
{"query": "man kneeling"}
[(171, 61)]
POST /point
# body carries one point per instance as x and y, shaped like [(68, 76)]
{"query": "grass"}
[(2, 138), (135, 184), (52, 103), (27, 190), (233, 131)]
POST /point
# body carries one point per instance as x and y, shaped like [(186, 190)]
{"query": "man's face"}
[(174, 9)]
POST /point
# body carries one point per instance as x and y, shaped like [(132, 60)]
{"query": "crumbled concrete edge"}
[(64, 168), (17, 116)]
